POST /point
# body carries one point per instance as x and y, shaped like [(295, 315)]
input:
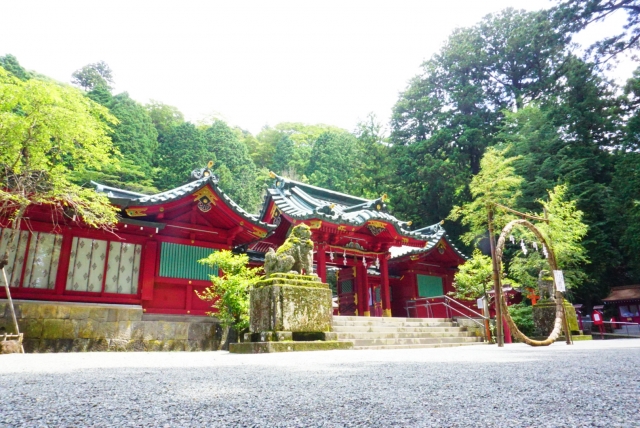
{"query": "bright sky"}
[(252, 63)]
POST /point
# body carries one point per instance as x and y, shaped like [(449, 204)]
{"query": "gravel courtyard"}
[(587, 384)]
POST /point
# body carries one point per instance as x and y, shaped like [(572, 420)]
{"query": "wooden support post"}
[(384, 284), (13, 311), (497, 286), (321, 262), (363, 294)]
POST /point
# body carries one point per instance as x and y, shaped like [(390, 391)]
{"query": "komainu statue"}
[(295, 255), (545, 286)]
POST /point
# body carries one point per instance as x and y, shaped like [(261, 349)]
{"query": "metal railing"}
[(613, 329), (449, 309)]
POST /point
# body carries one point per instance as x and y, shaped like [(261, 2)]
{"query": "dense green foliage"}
[(511, 92), (522, 315), (48, 131), (230, 292), (474, 278)]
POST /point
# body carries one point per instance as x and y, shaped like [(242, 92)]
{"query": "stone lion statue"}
[(294, 256), (545, 286)]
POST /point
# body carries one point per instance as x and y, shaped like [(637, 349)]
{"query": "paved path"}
[(588, 384)]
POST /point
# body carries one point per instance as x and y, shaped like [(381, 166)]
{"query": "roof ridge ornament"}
[(206, 172)]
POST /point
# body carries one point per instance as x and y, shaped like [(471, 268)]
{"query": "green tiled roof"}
[(302, 201), (125, 198), (436, 232)]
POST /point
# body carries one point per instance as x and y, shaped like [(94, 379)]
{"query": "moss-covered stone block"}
[(292, 280), (31, 310), (544, 316), (57, 329), (154, 345), (31, 327), (181, 331), (63, 312), (31, 346), (136, 346), (137, 330), (202, 331), (99, 314), (118, 345), (80, 345), (87, 329), (295, 309), (79, 312), (123, 330), (98, 345)]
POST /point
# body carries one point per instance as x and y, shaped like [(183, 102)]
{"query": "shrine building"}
[(149, 262), (385, 267)]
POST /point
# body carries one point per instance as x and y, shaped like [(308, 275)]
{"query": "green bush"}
[(522, 315)]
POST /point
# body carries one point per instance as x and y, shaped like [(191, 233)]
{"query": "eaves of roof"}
[(399, 252), (119, 197), (299, 205)]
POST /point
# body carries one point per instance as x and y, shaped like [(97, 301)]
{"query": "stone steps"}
[(390, 329), (435, 345), (401, 333)]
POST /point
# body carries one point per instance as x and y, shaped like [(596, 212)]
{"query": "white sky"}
[(251, 63)]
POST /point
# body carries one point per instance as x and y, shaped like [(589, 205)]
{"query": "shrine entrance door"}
[(375, 299), (347, 292)]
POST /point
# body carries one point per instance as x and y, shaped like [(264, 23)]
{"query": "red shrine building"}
[(383, 266)]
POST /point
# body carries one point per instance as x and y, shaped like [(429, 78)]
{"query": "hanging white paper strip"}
[(559, 280)]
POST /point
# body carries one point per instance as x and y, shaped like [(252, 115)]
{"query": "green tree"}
[(474, 278), (230, 292), (184, 149), (496, 183), (451, 112), (47, 132), (336, 162), (284, 151), (376, 165), (575, 15), (303, 137), (237, 173), (135, 134), (92, 76), (164, 118), (12, 66), (565, 231)]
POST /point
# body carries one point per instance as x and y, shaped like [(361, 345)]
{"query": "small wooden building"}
[(626, 299)]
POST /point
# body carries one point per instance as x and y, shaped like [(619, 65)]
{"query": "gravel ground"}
[(584, 385)]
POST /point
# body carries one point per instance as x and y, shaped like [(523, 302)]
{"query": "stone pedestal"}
[(544, 316), (290, 312)]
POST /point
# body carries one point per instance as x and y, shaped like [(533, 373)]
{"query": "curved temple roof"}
[(304, 202), (125, 198)]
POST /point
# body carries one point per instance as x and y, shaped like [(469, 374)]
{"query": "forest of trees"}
[(514, 80)]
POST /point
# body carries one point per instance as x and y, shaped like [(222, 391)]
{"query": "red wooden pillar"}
[(384, 287), (63, 263), (321, 262), (149, 270), (363, 295)]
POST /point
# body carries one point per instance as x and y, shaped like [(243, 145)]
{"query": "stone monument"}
[(544, 311), (290, 309)]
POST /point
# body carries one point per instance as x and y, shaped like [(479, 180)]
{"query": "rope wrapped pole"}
[(497, 286), (560, 318)]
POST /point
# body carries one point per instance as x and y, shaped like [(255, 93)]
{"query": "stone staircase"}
[(401, 333)]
